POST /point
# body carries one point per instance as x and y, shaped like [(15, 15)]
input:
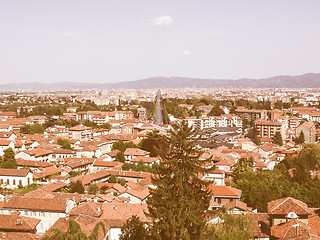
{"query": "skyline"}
[(106, 41)]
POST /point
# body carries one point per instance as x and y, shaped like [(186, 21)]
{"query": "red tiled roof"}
[(225, 191), (285, 205), (293, 229), (135, 152), (40, 204), (14, 172), (15, 222)]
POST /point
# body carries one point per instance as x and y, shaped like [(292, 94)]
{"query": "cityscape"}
[(159, 121)]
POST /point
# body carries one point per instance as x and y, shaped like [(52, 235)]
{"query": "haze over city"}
[(113, 41)]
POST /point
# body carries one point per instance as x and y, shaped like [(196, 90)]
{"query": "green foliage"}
[(74, 232), (8, 159), (120, 157), (232, 227), (307, 161), (114, 179), (93, 189), (74, 173), (178, 203), (27, 189), (65, 143), (133, 229), (63, 122), (172, 107), (257, 140), (243, 165), (165, 115), (121, 146), (300, 139), (153, 142), (76, 187), (216, 111), (47, 110), (260, 188), (277, 139), (32, 129), (105, 126), (91, 124)]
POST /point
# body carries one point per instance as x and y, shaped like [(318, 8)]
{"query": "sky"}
[(111, 41)]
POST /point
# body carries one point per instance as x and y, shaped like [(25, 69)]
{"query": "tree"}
[(65, 143), (8, 159), (120, 157), (119, 145), (32, 129), (133, 229), (277, 139), (243, 165), (93, 189), (178, 203), (153, 142), (165, 115), (257, 140), (216, 111), (112, 179), (300, 139), (307, 161), (74, 232), (231, 227), (76, 187)]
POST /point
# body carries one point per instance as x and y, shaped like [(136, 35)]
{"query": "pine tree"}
[(8, 159), (133, 229), (178, 203)]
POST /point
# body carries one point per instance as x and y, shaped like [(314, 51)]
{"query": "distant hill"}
[(310, 80)]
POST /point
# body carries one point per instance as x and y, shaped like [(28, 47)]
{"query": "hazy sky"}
[(110, 41)]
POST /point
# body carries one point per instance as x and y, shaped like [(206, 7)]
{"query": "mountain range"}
[(310, 80)]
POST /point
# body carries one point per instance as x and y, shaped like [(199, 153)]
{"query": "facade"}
[(269, 128), (309, 131), (12, 178)]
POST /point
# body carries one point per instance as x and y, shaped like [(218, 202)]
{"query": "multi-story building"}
[(268, 129)]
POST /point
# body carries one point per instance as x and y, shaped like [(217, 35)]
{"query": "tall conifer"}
[(178, 203)]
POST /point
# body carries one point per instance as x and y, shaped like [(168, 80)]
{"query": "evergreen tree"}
[(178, 203), (300, 139), (8, 159), (165, 115), (277, 139), (133, 229), (74, 232)]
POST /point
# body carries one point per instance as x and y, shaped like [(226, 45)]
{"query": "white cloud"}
[(186, 53), (160, 21)]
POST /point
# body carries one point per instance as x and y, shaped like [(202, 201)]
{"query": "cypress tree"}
[(178, 203), (9, 160)]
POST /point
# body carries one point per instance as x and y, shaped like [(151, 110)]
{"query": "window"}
[(14, 182), (20, 182), (8, 181), (1, 181)]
